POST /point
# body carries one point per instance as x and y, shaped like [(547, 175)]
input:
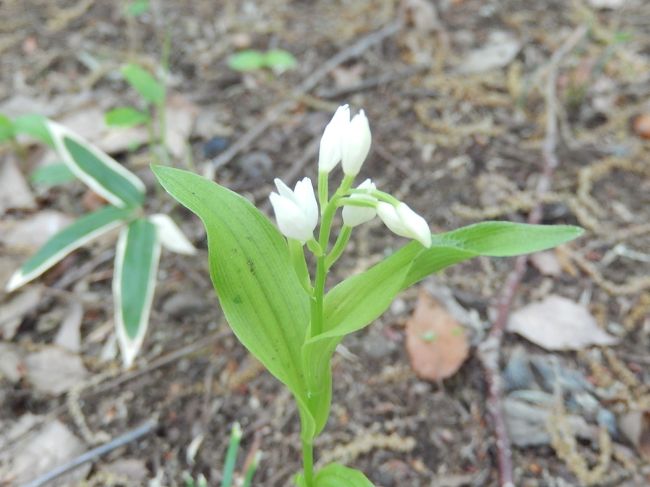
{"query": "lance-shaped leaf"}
[(337, 475), (134, 281), (362, 298), (70, 238), (251, 270), (103, 174), (144, 83)]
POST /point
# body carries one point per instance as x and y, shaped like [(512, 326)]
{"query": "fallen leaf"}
[(635, 425), (69, 334), (11, 363), (498, 52), (54, 370), (547, 263), (180, 117), (607, 4), (436, 343), (641, 125), (14, 310), (51, 445), (15, 192), (557, 323), (29, 234)]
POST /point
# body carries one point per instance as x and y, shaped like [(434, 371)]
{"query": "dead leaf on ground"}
[(11, 362), (498, 52), (69, 334), (54, 370), (14, 192), (14, 310), (547, 263), (635, 425), (52, 445), (180, 117), (29, 234), (436, 343), (557, 323)]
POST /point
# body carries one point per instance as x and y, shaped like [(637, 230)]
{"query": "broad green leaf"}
[(6, 129), (35, 126), (250, 267), (337, 475), (279, 60), (249, 60), (125, 117), (52, 174), (136, 8), (134, 281), (144, 83), (70, 238), (103, 174)]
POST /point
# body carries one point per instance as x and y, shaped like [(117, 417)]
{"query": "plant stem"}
[(339, 246), (308, 462)]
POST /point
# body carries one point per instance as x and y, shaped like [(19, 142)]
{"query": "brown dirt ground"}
[(457, 147)]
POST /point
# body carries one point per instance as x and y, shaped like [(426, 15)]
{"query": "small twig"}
[(308, 84), (95, 453), (489, 351)]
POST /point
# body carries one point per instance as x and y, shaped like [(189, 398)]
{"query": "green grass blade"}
[(134, 281), (231, 455)]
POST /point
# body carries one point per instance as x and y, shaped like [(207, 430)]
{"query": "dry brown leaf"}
[(54, 370), (436, 343), (29, 234), (14, 192), (557, 323), (635, 425)]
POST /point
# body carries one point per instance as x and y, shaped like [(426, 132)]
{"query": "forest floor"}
[(459, 101)]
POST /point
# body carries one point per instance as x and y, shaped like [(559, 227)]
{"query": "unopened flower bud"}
[(356, 215), (296, 211), (356, 144), (329, 154), (403, 221)]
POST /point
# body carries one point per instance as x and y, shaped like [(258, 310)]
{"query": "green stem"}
[(308, 462), (323, 182), (231, 455), (339, 246)]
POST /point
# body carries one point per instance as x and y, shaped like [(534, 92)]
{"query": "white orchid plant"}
[(285, 316)]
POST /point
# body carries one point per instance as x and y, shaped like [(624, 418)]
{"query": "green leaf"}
[(144, 83), (492, 239), (248, 60), (279, 60), (250, 267), (52, 174), (100, 172), (125, 117), (35, 126), (136, 8), (6, 129), (134, 281), (337, 475), (72, 237)]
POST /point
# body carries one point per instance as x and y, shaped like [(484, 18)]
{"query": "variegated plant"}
[(139, 243)]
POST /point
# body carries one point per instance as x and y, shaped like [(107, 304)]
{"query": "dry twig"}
[(489, 350)]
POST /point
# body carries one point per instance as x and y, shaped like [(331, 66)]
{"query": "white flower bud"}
[(296, 211), (329, 154), (356, 144), (403, 221), (356, 215)]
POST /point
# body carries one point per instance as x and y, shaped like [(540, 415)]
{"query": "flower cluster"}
[(345, 140)]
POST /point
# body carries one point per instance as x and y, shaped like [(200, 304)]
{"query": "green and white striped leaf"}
[(172, 237), (103, 174), (134, 281), (72, 237)]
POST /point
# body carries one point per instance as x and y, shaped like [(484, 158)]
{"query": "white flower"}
[(356, 144), (356, 215), (296, 211), (403, 221), (329, 154)]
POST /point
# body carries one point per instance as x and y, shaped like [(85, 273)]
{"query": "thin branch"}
[(489, 350)]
